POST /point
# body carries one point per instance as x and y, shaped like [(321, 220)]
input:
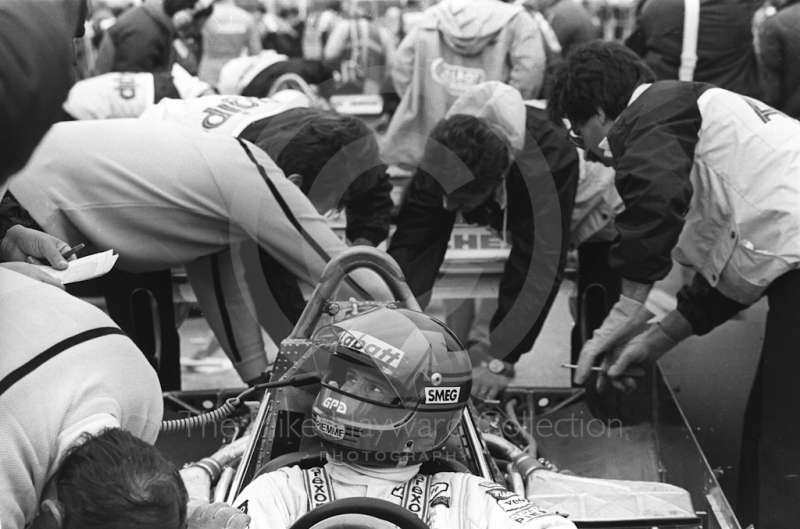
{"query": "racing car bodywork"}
[(640, 470)]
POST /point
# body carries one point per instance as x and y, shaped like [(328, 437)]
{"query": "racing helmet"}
[(394, 389)]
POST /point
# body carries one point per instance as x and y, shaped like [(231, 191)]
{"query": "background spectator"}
[(571, 23), (458, 44), (141, 39), (229, 33), (360, 50), (724, 37), (780, 57), (284, 31)]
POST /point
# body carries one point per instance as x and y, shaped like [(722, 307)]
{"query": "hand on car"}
[(487, 385), (217, 516), (627, 319)]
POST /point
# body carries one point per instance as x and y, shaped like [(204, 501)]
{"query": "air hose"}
[(504, 449), (232, 403)]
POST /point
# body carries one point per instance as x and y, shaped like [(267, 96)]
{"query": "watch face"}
[(496, 366)]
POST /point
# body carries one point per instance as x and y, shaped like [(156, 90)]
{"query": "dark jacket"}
[(572, 24), (140, 41), (780, 58), (35, 77), (547, 166), (725, 54), (689, 191)]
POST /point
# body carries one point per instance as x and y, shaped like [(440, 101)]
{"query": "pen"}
[(630, 372), (69, 253)]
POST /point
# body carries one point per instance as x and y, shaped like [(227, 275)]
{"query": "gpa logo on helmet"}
[(442, 395), (334, 404), (377, 349), (329, 429)]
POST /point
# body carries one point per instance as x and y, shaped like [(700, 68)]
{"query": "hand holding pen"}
[(25, 245)]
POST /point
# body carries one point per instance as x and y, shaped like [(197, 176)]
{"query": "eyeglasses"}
[(575, 138)]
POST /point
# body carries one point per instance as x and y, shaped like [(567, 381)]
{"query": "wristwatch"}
[(498, 367)]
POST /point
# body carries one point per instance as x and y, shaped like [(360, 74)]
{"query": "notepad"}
[(85, 268)]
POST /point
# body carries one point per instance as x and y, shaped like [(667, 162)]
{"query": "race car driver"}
[(400, 379), (164, 196)]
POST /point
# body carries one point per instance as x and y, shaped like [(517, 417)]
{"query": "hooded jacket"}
[(459, 44), (540, 189)]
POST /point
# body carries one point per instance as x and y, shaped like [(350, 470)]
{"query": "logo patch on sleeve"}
[(440, 494), (518, 508), (442, 395)]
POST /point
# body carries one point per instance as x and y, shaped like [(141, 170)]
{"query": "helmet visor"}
[(363, 381)]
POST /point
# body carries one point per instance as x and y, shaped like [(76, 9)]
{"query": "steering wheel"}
[(371, 507)]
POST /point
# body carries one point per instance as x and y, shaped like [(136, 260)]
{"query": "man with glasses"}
[(466, 169), (709, 178)]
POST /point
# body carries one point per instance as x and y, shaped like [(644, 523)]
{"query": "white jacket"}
[(743, 226), (446, 500), (224, 114)]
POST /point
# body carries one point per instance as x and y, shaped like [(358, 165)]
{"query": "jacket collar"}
[(636, 93)]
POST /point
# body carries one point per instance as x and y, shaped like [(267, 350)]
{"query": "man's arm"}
[(548, 166), (337, 42), (704, 307), (527, 56), (423, 233), (368, 214), (281, 219), (403, 64), (653, 181), (772, 57)]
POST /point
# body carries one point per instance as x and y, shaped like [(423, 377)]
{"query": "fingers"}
[(487, 385), (218, 516), (587, 360), (239, 520), (34, 273), (50, 249), (231, 451)]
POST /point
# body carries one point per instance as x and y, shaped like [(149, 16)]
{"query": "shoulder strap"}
[(318, 487), (29, 366), (416, 494), (691, 27)]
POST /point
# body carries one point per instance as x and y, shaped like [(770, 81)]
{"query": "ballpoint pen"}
[(630, 372)]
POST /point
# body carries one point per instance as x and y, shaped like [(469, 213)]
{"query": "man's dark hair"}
[(473, 143), (173, 6), (115, 480), (597, 75), (324, 137)]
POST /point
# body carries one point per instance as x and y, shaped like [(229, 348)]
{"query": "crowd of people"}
[(196, 134)]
